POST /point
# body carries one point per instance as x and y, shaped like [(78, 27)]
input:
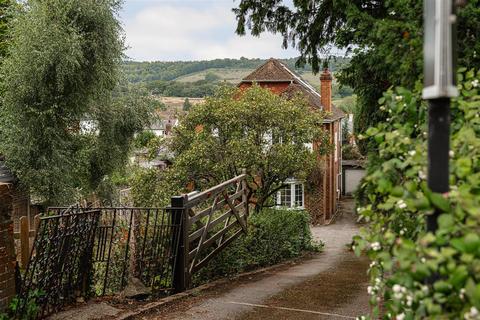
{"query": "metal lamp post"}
[(439, 87)]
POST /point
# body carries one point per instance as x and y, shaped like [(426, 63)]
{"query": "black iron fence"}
[(92, 252), (85, 252)]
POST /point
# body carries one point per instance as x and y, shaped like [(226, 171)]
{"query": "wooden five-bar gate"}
[(83, 252), (210, 221)]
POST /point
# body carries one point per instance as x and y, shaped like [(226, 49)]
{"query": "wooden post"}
[(179, 216), (244, 193), (24, 242), (36, 224)]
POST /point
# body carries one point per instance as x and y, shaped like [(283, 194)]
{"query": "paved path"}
[(332, 285)]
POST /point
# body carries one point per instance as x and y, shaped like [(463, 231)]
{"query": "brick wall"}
[(314, 191), (7, 256)]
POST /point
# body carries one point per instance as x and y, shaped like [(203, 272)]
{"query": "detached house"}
[(321, 198)]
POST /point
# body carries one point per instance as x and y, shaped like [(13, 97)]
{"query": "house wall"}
[(353, 177), (7, 255), (332, 182)]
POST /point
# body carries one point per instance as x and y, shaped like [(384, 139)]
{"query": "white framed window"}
[(292, 195)]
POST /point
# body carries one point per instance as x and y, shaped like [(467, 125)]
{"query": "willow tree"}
[(62, 69), (5, 15)]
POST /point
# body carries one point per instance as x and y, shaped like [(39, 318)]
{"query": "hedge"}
[(416, 274), (273, 236)]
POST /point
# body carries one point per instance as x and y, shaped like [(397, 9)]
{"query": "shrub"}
[(421, 275), (350, 152), (273, 236)]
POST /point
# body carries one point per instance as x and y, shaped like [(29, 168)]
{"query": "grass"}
[(236, 75)]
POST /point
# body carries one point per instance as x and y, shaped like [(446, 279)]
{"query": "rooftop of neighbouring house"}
[(274, 70)]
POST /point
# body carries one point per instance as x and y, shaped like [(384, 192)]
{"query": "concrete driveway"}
[(331, 285)]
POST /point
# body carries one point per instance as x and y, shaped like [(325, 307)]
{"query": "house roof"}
[(6, 177), (295, 88), (335, 115), (274, 70)]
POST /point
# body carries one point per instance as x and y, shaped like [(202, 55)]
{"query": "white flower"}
[(409, 301), (401, 204), (473, 314), (370, 290), (412, 152), (378, 281), (388, 119), (475, 83), (398, 98), (422, 175), (382, 108), (462, 293), (397, 288), (451, 153), (400, 316), (372, 264), (375, 246), (402, 232), (474, 311)]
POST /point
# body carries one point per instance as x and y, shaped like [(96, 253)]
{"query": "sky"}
[(171, 30)]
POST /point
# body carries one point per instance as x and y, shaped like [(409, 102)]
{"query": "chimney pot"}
[(326, 90)]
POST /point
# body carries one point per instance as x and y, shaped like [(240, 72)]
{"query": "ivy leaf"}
[(458, 277), (439, 201)]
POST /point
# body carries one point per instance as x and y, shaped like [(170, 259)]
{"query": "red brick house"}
[(321, 196)]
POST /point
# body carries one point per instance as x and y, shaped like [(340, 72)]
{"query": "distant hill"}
[(231, 70)]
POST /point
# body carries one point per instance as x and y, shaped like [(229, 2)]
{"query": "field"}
[(235, 75), (175, 105)]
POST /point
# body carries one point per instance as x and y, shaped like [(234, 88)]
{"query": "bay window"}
[(291, 195)]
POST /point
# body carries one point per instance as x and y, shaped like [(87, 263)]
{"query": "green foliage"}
[(143, 139), (350, 152), (249, 129), (211, 77), (273, 236), (197, 89), (62, 68), (383, 37), (186, 105), (395, 199), (167, 71), (30, 307), (5, 15)]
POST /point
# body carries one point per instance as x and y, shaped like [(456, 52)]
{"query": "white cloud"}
[(178, 32)]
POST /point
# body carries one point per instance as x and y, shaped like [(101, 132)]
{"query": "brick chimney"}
[(326, 89)]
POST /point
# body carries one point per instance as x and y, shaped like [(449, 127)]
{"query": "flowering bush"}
[(416, 274)]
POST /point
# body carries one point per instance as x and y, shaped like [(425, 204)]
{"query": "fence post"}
[(24, 241), (181, 277), (244, 194)]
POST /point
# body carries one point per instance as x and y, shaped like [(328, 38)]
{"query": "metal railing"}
[(95, 251)]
